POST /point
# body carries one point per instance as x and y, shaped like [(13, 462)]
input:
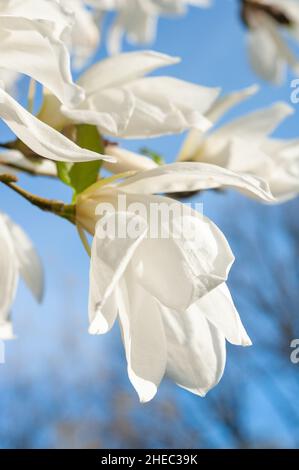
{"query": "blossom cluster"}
[(169, 293)]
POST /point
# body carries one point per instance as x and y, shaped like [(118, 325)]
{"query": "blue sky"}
[(53, 353)]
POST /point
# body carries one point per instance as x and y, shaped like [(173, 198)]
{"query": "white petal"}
[(119, 70), (228, 101), (8, 271), (109, 259), (257, 125), (189, 176), (184, 255), (29, 262), (103, 318), (195, 349), (218, 307), (10, 80), (283, 50), (32, 47), (264, 57), (165, 105), (137, 22), (115, 37), (110, 110), (85, 32), (16, 158), (127, 161), (6, 331), (40, 137), (144, 338), (195, 138), (42, 10), (284, 175)]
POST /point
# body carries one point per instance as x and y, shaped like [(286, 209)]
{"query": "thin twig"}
[(67, 211)]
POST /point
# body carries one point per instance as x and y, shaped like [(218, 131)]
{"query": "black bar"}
[(137, 458)]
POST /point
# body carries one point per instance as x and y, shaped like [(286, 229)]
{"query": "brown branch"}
[(67, 211)]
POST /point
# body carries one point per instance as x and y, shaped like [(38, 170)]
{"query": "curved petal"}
[(111, 253), (195, 350), (119, 70), (284, 51), (257, 125), (115, 38), (19, 161), (182, 177), (139, 25), (284, 176), (143, 337), (104, 317), (39, 137), (218, 307), (221, 106), (228, 101), (110, 110), (126, 160), (85, 32), (184, 255), (30, 266), (8, 271), (165, 105), (42, 10), (264, 57), (32, 47)]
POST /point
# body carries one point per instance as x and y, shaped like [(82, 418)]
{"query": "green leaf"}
[(156, 157), (63, 170), (82, 175)]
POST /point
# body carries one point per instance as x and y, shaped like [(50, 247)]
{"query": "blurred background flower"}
[(61, 388)]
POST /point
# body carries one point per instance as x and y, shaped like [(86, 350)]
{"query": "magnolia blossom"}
[(138, 18), (65, 23), (122, 102), (168, 293), (17, 258), (245, 146), (269, 51)]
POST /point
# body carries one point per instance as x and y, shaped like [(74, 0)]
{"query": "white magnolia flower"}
[(17, 258), (245, 146), (267, 21), (33, 41), (169, 294), (122, 102), (74, 26), (137, 19)]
